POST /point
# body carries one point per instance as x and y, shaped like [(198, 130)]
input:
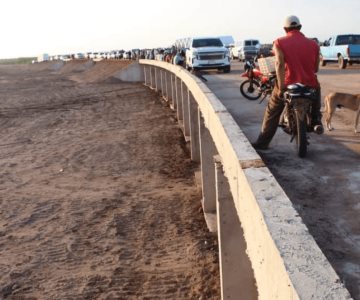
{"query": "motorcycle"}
[(296, 117), (257, 84)]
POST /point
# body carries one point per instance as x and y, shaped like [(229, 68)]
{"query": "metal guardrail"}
[(286, 262)]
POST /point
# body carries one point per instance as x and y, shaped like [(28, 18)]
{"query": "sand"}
[(97, 191)]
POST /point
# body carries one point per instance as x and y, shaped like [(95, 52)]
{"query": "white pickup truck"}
[(207, 53)]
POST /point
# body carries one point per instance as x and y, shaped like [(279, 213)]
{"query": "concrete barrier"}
[(275, 248), (131, 73)]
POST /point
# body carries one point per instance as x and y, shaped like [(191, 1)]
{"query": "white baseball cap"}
[(292, 21)]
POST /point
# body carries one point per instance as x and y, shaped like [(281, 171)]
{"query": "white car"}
[(207, 53), (101, 55), (114, 54), (79, 56), (93, 55), (65, 57)]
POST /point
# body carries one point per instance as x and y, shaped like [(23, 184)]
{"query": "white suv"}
[(207, 53)]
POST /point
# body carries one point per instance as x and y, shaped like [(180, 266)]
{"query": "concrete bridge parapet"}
[(259, 230)]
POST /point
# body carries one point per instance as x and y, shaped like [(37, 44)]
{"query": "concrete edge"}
[(283, 269)]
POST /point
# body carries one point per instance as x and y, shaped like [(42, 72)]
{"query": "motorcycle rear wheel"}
[(250, 89), (301, 137)]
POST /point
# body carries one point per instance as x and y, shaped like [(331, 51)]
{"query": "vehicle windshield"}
[(350, 39), (251, 43), (207, 43)]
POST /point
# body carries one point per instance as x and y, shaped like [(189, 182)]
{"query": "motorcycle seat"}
[(298, 90)]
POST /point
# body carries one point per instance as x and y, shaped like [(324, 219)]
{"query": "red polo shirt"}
[(300, 55)]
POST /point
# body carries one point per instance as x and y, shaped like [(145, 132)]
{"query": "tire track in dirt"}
[(97, 195)]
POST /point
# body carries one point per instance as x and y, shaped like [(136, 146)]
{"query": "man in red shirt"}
[(297, 60)]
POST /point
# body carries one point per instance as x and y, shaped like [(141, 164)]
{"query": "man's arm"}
[(280, 68)]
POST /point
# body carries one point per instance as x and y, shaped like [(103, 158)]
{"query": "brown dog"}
[(334, 100)]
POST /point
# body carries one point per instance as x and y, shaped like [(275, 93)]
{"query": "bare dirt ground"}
[(325, 186), (97, 194)]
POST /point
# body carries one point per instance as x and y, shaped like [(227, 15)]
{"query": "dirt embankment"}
[(97, 197)]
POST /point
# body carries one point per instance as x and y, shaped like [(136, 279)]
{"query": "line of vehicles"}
[(98, 55), (216, 52)]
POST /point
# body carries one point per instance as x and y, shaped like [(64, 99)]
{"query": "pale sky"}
[(31, 27)]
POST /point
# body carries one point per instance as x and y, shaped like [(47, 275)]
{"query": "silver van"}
[(248, 49)]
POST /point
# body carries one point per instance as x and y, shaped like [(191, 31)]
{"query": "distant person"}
[(179, 58), (168, 57), (161, 55), (297, 61)]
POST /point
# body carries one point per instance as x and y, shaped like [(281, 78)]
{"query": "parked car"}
[(248, 49), (101, 55), (43, 57), (113, 54), (79, 56), (245, 49), (207, 53), (65, 57), (120, 54), (343, 49), (265, 50), (93, 55)]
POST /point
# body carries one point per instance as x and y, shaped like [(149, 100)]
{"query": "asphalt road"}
[(325, 186)]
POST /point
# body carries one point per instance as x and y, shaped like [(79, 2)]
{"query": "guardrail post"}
[(236, 275), (180, 87), (157, 79), (162, 81), (154, 78), (166, 85), (176, 92), (168, 88), (186, 112), (146, 76), (207, 152), (194, 129), (173, 91), (150, 77)]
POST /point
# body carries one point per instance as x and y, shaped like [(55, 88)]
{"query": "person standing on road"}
[(179, 58), (297, 61)]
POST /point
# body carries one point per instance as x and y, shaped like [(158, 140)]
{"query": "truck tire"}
[(322, 61), (342, 62)]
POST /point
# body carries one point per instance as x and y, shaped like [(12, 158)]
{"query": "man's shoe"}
[(319, 129), (258, 146), (317, 126)]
